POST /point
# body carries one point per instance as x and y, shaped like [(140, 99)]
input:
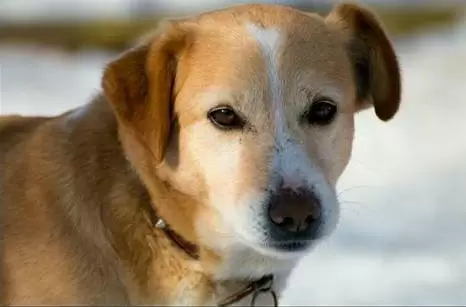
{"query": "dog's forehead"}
[(265, 15), (243, 48)]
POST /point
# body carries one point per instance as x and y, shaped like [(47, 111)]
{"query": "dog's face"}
[(249, 112), (265, 123)]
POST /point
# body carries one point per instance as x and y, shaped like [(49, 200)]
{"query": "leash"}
[(256, 288)]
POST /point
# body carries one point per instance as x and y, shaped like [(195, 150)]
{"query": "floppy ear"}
[(375, 65), (138, 85)]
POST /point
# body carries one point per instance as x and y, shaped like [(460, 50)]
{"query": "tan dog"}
[(233, 127)]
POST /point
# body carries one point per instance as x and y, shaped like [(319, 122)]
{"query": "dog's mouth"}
[(282, 248), (290, 247), (299, 243), (287, 249)]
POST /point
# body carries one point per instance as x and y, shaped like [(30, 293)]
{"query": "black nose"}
[(294, 211)]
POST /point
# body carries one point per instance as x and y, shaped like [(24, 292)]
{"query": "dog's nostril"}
[(308, 221), (288, 222)]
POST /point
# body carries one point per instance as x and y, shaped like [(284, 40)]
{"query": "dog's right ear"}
[(139, 84)]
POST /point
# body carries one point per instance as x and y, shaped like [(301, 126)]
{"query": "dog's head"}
[(248, 114)]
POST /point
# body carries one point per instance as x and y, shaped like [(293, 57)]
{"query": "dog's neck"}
[(254, 288), (184, 275), (226, 289)]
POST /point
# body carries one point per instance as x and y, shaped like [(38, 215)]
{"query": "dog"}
[(203, 171)]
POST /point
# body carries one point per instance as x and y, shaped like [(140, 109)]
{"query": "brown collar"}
[(189, 248), (256, 287)]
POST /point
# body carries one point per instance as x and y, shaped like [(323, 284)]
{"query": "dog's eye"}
[(225, 117), (321, 112)]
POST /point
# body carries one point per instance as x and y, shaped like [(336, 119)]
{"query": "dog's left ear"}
[(375, 65), (139, 87)]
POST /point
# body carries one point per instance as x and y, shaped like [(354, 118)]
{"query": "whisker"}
[(358, 187), (353, 188), (352, 202)]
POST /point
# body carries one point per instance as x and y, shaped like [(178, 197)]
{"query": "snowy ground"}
[(401, 236)]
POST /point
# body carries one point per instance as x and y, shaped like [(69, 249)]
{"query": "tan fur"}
[(76, 190)]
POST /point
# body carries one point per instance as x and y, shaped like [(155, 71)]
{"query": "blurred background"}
[(401, 239)]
